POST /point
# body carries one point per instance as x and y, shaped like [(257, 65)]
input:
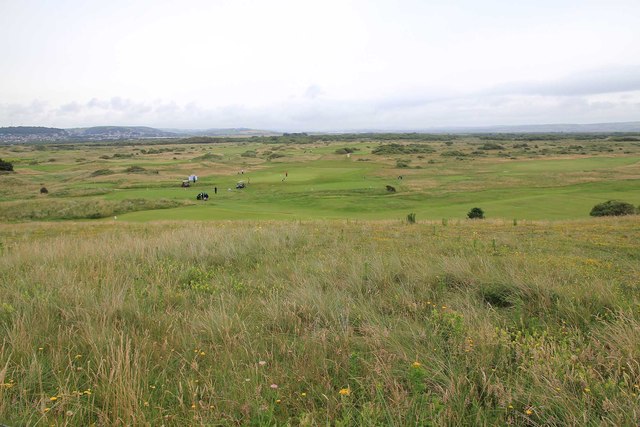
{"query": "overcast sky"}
[(297, 65)]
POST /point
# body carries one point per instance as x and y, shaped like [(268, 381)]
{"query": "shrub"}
[(491, 146), (249, 153), (411, 218), (211, 157), (44, 190), (345, 150), (475, 213), (402, 164), (391, 189), (402, 149), (6, 166), (613, 208), (101, 172), (453, 153), (134, 169)]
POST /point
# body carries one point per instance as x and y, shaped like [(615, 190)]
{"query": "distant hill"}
[(97, 133), (544, 128), (31, 130), (119, 132), (25, 134), (115, 133), (224, 132)]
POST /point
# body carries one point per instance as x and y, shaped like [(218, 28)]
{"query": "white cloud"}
[(331, 64)]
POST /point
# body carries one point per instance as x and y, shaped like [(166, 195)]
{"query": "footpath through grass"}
[(320, 323)]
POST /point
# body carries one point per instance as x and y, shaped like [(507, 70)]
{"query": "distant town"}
[(35, 134)]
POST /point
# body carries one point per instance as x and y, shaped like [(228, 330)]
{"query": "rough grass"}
[(320, 323), (77, 208)]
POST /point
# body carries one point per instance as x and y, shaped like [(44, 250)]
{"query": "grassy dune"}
[(320, 323)]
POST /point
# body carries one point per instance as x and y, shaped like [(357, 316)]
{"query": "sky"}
[(328, 65)]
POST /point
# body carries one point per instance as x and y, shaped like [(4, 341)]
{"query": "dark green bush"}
[(453, 153), (134, 169), (101, 172), (6, 166), (491, 146), (613, 208), (402, 149), (475, 213)]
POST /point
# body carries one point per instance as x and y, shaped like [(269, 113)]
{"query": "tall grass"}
[(78, 208), (339, 323)]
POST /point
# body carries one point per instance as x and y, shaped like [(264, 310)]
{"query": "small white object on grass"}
[(115, 217)]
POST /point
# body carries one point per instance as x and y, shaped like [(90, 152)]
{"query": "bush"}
[(6, 166), (613, 208), (411, 218), (402, 149), (391, 189), (346, 150), (491, 146), (453, 153), (101, 172), (44, 190), (134, 169), (211, 157), (476, 213)]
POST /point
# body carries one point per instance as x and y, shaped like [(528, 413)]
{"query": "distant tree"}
[(6, 166), (491, 146), (476, 213), (613, 208)]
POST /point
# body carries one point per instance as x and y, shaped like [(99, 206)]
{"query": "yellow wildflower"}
[(345, 391), (416, 364)]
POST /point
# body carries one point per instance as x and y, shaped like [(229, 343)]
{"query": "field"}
[(307, 298), (443, 177)]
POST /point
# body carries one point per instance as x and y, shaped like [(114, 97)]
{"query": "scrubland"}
[(320, 323)]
